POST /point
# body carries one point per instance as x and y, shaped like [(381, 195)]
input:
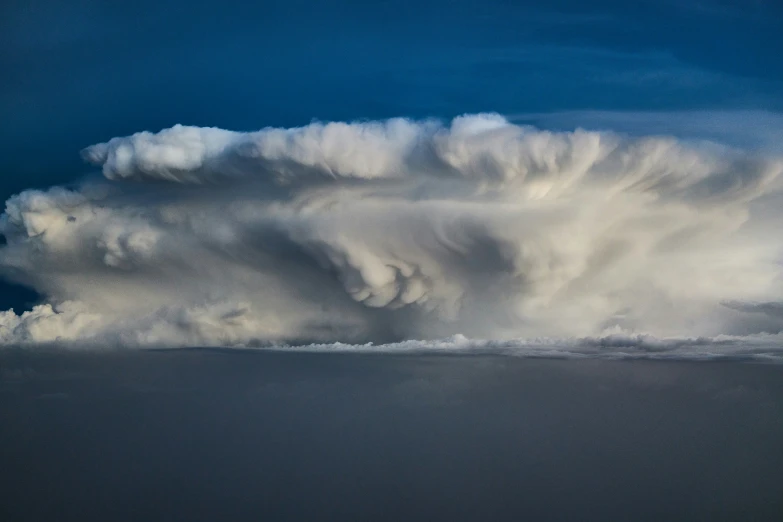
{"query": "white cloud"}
[(379, 231)]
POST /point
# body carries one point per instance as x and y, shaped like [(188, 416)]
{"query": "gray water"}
[(227, 435)]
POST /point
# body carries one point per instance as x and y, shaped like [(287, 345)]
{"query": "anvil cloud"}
[(393, 230)]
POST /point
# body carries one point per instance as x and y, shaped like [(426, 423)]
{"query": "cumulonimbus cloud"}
[(399, 229)]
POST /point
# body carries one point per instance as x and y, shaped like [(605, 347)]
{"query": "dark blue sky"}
[(83, 71)]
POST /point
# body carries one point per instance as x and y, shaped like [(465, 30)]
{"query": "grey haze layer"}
[(383, 231), (205, 435)]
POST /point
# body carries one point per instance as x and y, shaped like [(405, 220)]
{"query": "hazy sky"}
[(204, 436)]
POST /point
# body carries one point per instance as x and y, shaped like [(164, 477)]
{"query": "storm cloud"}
[(384, 231)]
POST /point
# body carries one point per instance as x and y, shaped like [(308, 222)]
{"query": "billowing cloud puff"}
[(393, 230)]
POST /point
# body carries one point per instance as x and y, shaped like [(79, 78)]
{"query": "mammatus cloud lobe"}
[(393, 230)]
